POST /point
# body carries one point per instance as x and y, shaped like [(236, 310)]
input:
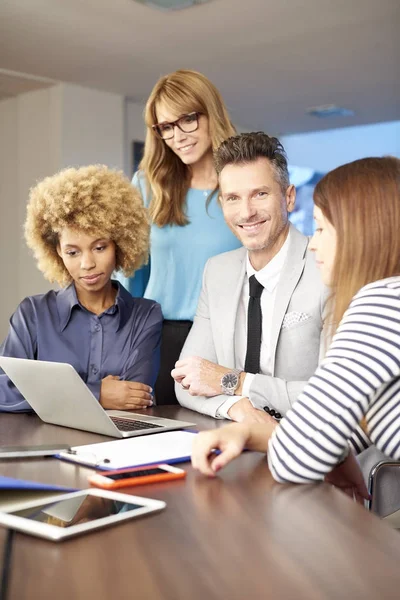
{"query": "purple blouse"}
[(124, 340)]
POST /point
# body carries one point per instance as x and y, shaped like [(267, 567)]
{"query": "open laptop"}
[(59, 396)]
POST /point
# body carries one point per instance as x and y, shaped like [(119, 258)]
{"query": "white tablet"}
[(61, 517)]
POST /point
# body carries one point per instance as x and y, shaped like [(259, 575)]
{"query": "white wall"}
[(326, 150), (42, 132), (9, 230), (38, 143), (135, 130), (92, 126)]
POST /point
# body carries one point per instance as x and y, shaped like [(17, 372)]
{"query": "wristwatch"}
[(230, 382)]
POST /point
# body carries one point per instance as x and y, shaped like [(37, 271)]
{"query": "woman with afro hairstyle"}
[(82, 225)]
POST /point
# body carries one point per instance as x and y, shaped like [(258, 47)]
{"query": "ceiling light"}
[(167, 5), (329, 110)]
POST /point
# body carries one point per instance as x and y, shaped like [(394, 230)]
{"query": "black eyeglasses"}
[(187, 123)]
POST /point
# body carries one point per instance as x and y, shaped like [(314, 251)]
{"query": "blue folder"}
[(15, 493), (9, 483)]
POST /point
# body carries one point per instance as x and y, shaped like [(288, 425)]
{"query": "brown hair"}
[(248, 147), (168, 178), (93, 199), (362, 202)]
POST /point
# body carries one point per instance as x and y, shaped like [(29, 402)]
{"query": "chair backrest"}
[(384, 488), (368, 459)]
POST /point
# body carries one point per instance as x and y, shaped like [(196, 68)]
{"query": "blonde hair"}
[(362, 202), (168, 178), (92, 199)]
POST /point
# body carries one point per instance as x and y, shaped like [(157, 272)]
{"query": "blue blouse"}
[(124, 340), (178, 254)]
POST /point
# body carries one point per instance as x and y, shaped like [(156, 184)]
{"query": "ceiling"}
[(13, 83), (271, 60)]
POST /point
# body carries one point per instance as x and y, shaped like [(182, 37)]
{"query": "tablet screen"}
[(80, 509)]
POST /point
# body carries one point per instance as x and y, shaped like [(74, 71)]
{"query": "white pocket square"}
[(293, 318)]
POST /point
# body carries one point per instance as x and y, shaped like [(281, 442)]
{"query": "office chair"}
[(384, 489)]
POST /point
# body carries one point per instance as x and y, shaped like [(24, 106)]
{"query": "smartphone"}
[(27, 451), (112, 480)]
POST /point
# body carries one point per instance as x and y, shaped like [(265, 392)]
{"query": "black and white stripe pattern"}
[(359, 377)]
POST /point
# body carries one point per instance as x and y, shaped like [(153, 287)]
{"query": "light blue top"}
[(178, 254)]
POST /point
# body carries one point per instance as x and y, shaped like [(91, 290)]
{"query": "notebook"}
[(59, 396), (169, 447)]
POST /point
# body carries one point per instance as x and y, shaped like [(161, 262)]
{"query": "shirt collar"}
[(67, 300), (268, 276)]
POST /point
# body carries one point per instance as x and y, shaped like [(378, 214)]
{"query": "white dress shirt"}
[(268, 276)]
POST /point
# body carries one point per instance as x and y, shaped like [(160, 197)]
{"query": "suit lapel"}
[(290, 275), (232, 302)]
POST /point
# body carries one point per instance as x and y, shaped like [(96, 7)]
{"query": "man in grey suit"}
[(250, 355)]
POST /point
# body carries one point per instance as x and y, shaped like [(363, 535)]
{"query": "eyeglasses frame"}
[(176, 124)]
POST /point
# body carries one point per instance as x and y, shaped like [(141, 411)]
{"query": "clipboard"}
[(168, 447), (15, 493)]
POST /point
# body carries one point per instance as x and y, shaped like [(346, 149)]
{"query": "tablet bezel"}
[(56, 534)]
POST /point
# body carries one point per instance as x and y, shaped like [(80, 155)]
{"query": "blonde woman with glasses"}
[(186, 120)]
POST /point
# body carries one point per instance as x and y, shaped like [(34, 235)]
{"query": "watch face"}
[(230, 380)]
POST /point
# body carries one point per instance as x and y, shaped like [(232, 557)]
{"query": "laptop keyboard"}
[(131, 425)]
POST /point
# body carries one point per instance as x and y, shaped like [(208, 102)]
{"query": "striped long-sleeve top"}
[(359, 377)]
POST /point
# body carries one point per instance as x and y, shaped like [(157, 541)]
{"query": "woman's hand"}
[(124, 395), (229, 440), (348, 477)]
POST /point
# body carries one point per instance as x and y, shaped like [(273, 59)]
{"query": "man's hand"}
[(199, 376), (124, 395), (348, 477), (244, 412)]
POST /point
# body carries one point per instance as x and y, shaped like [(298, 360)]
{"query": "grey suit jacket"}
[(295, 341)]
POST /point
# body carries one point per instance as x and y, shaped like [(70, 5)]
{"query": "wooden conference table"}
[(240, 536)]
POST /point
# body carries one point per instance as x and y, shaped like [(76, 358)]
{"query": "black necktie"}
[(252, 363)]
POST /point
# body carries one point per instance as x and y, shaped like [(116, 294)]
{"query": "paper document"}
[(168, 447)]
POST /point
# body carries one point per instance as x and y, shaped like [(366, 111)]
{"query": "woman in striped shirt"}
[(354, 397)]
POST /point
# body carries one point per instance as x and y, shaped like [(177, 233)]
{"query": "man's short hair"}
[(247, 148)]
